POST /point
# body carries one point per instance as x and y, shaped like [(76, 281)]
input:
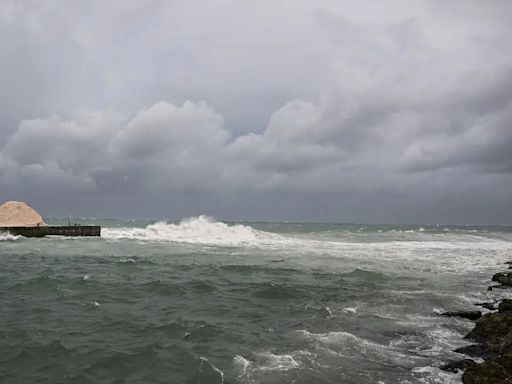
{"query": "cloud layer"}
[(296, 112)]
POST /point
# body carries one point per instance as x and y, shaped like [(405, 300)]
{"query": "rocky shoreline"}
[(492, 337)]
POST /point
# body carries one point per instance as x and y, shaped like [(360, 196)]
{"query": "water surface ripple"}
[(207, 302)]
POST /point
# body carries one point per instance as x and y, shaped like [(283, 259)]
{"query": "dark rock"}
[(498, 287), (508, 262), (476, 350), (506, 347), (471, 315), (505, 305), (457, 365), (498, 276), (489, 306), (497, 370), (493, 333), (503, 278), (493, 330)]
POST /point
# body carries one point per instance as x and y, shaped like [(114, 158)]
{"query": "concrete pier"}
[(67, 230)]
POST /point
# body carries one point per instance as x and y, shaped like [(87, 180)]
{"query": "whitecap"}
[(198, 230), (434, 375), (127, 260), (6, 236), (242, 364), (437, 342), (330, 315), (272, 362), (213, 367), (347, 344), (268, 363), (436, 254)]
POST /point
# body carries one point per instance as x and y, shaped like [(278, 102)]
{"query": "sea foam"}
[(4, 236), (348, 343), (201, 230), (467, 253)]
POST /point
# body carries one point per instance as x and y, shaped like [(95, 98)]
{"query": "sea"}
[(203, 301)]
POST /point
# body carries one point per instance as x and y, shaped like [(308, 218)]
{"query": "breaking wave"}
[(347, 343), (197, 230), (206, 231), (5, 236)]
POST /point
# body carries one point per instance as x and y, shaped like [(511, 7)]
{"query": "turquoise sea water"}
[(202, 301)]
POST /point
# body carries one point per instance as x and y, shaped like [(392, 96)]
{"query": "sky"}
[(327, 110)]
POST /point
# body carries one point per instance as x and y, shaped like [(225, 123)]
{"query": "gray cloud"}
[(259, 110)]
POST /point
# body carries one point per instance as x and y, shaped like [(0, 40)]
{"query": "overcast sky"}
[(325, 110)]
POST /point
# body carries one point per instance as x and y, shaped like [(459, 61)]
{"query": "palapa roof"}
[(19, 214)]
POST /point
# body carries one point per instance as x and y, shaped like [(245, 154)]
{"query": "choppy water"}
[(208, 302)]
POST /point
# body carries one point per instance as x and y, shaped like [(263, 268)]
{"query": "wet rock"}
[(503, 278), (492, 371), (505, 306), (507, 346), (498, 287), (476, 350), (489, 306), (493, 333), (498, 276), (471, 315), (457, 365), (493, 330)]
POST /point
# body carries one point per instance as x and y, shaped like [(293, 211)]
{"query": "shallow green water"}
[(208, 302)]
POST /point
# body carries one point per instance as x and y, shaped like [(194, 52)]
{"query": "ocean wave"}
[(265, 362), (400, 259), (204, 230), (347, 344), (273, 362), (205, 363), (242, 364), (434, 375), (53, 349), (38, 284), (364, 275), (6, 236), (201, 230), (437, 342)]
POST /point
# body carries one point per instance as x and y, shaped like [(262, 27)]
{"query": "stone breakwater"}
[(54, 230), (492, 336)]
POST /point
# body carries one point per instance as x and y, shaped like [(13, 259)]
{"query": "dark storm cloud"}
[(326, 112)]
